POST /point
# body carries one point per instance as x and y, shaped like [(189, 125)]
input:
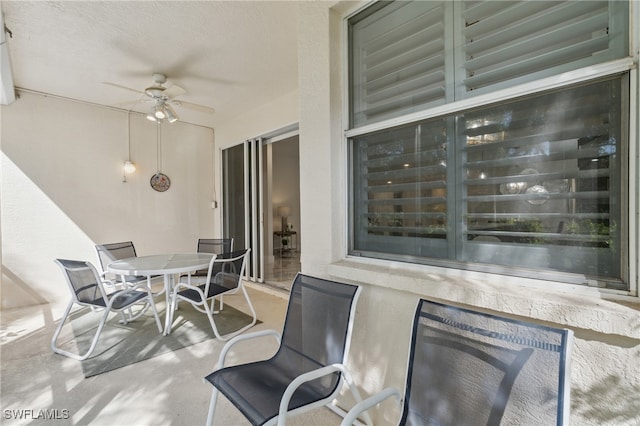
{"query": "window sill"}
[(574, 307)]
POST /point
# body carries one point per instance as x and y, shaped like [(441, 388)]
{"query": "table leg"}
[(168, 287)]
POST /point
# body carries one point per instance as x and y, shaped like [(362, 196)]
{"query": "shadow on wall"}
[(595, 402), (21, 294)]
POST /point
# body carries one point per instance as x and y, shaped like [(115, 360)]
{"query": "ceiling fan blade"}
[(132, 103), (174, 91), (122, 87), (195, 107)]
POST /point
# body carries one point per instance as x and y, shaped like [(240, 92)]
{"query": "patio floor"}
[(165, 390)]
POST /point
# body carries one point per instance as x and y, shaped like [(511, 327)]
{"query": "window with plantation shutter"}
[(398, 60), (530, 184), (410, 56), (511, 42)]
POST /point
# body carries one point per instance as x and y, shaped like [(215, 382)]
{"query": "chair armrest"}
[(242, 337), (303, 378), (180, 286), (106, 280), (368, 403)]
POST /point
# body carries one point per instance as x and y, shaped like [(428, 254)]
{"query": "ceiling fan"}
[(163, 97)]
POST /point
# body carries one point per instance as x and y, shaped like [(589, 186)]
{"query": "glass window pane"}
[(400, 183), (234, 201), (538, 184), (541, 179)]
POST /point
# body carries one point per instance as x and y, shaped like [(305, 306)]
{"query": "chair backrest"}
[(215, 245), (227, 269), (108, 253), (84, 282), (317, 328), (467, 367)]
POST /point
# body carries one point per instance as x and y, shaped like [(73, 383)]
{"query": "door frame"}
[(256, 205)]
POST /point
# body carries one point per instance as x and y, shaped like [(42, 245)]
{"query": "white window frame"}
[(563, 80)]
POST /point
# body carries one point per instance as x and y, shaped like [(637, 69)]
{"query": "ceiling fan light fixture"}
[(159, 112), (172, 117), (162, 98)]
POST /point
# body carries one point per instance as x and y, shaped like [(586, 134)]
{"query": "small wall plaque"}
[(160, 182)]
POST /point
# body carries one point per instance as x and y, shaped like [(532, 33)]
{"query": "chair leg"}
[(213, 305), (94, 342), (212, 406), (131, 316), (233, 333), (211, 321), (253, 311), (59, 329), (155, 312), (160, 292)]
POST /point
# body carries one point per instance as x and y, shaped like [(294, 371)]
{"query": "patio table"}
[(167, 265)]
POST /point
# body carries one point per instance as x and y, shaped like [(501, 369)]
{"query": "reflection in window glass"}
[(402, 182), (533, 183), (542, 176)]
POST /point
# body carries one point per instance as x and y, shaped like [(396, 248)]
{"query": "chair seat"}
[(257, 389), (127, 299), (193, 295), (120, 301)]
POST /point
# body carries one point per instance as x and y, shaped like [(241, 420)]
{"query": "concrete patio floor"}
[(165, 390)]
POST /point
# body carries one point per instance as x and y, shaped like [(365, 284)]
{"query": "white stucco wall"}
[(258, 120), (63, 191), (605, 378)]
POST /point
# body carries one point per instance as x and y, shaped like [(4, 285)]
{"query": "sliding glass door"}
[(243, 216)]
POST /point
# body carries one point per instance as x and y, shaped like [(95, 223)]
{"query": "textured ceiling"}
[(226, 55)]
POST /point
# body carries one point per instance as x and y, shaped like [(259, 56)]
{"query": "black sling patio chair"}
[(111, 252), (210, 245), (87, 290), (471, 368), (308, 369), (215, 245), (224, 276)]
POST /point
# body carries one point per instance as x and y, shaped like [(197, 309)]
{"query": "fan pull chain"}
[(159, 148)]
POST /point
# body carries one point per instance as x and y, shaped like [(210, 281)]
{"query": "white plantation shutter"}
[(520, 41), (411, 56), (398, 61)]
